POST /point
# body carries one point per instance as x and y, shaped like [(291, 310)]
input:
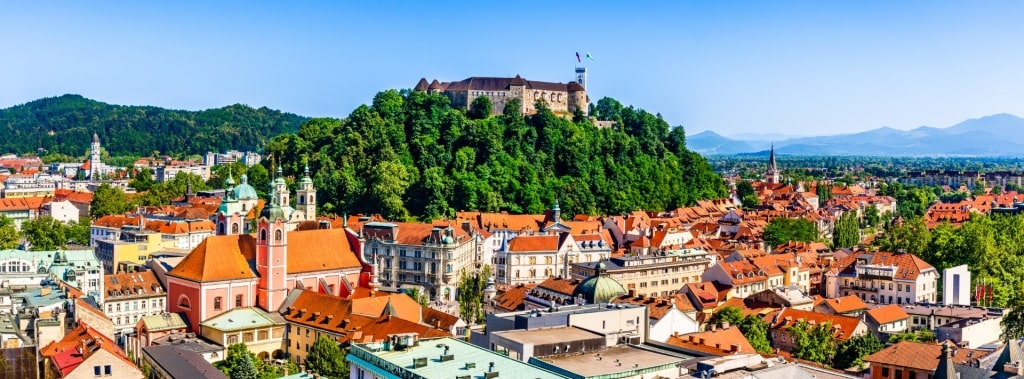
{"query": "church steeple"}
[(771, 176)]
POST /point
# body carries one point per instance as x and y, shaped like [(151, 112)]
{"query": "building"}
[(533, 258), (972, 333), (887, 320), (668, 315), (152, 328), (63, 211), (241, 270), (718, 341), (932, 316), (779, 322), (169, 362), (83, 353), (77, 268), (94, 169), (261, 332), (617, 323), (30, 185), (956, 283), (415, 255), (406, 355), (133, 247), (564, 98), (883, 278), (21, 209), (622, 361), (652, 275), (742, 277), (598, 288), (772, 175), (129, 297), (907, 360), (846, 306)]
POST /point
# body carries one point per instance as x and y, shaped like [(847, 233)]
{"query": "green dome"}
[(273, 212), (599, 288), (245, 191)]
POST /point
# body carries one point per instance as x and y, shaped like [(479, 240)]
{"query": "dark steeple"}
[(771, 176), (945, 369)]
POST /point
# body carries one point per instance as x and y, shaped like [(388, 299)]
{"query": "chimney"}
[(725, 325), (714, 327), (735, 348)]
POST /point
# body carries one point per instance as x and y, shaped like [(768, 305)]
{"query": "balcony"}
[(862, 288)]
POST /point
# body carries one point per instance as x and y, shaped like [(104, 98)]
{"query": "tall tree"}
[(755, 329), (246, 368), (471, 295), (813, 342), (108, 200), (730, 314), (851, 353), (44, 233), (782, 230), (480, 108), (326, 358), (846, 232)]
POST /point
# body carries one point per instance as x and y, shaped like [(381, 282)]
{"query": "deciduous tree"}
[(326, 358)]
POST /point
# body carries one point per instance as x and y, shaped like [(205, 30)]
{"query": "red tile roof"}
[(920, 356), (888, 313), (721, 342), (219, 258), (524, 244), (513, 297), (843, 326), (845, 304)]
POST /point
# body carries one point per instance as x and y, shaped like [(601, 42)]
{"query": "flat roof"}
[(462, 353), (572, 309), (630, 357), (548, 335)]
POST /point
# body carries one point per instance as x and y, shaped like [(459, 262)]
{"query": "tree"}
[(246, 368), (750, 201), (414, 293), (782, 230), (824, 192), (78, 233), (851, 353), (471, 295), (846, 233), (755, 329), (813, 343), (326, 358), (9, 237), (923, 335), (480, 108), (871, 216), (1013, 321), (44, 233), (732, 315), (108, 200), (912, 237)]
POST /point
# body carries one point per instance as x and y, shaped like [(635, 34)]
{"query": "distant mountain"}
[(996, 135), (711, 143), (65, 125)]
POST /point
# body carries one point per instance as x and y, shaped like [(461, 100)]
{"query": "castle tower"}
[(272, 256), (772, 176), (94, 158), (581, 77), (305, 197)]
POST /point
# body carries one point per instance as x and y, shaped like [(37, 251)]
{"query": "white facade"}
[(63, 211), (956, 283), (674, 321)]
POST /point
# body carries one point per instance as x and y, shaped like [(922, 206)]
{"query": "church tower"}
[(94, 158), (280, 189), (230, 220), (772, 176), (305, 197), (272, 255)]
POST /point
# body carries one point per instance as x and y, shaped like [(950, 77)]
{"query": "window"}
[(277, 235), (232, 340), (234, 228), (183, 302), (247, 337), (899, 374), (106, 370), (238, 300), (96, 370), (885, 372), (216, 303), (913, 375)]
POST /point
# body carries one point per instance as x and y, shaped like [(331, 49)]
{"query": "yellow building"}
[(261, 332), (134, 247)]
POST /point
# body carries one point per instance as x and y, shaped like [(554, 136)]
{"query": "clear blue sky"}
[(818, 67)]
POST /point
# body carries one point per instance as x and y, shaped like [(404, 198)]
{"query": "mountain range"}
[(988, 136)]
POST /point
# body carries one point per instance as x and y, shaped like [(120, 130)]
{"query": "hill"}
[(413, 155), (65, 125), (989, 136), (710, 143)]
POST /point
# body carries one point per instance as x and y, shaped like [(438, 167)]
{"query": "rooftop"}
[(614, 360), (467, 360), (180, 363), (548, 335), (956, 311), (243, 318)]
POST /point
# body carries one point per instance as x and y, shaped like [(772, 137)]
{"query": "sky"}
[(787, 67)]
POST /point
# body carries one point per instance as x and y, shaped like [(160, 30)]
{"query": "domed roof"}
[(599, 288), (273, 212), (244, 191)]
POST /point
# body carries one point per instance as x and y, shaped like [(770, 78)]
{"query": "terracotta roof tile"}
[(523, 244), (318, 250), (513, 297), (559, 285), (129, 285), (845, 304), (843, 326), (921, 356), (723, 341), (220, 258), (888, 313)]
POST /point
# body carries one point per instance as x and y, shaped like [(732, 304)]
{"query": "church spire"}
[(771, 176)]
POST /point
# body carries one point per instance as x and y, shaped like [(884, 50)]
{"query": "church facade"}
[(564, 98)]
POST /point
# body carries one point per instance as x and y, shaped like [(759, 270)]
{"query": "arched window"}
[(234, 228), (310, 201), (277, 235), (263, 235), (220, 228), (183, 302)]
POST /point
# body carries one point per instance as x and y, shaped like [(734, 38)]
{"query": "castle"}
[(560, 97)]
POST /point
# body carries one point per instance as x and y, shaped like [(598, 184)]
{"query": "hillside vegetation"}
[(410, 154), (65, 125)]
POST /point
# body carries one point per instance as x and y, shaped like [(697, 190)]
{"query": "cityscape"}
[(317, 191)]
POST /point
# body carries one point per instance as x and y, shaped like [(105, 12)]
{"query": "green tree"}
[(846, 232), (871, 216), (326, 358), (1013, 322), (9, 237), (813, 343), (824, 192), (744, 189), (782, 230), (76, 233), (755, 329), (480, 108), (851, 353), (912, 237), (246, 368), (108, 200), (470, 294), (414, 292), (142, 179), (44, 233), (732, 315), (389, 181)]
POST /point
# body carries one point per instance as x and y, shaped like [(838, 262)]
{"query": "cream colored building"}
[(129, 297), (533, 258), (261, 332), (565, 98), (416, 255), (883, 278), (652, 275)]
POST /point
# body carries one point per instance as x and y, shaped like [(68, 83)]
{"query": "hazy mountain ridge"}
[(995, 135)]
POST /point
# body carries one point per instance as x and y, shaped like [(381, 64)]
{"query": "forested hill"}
[(411, 154), (65, 125)]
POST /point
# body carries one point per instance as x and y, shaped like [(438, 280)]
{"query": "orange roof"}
[(845, 304), (320, 311), (559, 285), (73, 196), (513, 297), (722, 341), (23, 203), (525, 244), (888, 313), (843, 326), (921, 356), (402, 305), (318, 250), (219, 258), (64, 354), (133, 284), (379, 329), (657, 307), (909, 266), (438, 319)]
